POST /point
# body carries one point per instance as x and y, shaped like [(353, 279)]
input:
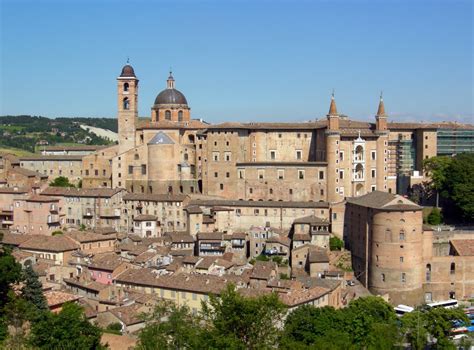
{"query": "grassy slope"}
[(16, 151)]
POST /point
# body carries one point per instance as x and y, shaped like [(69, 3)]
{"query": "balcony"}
[(53, 220), (110, 213)]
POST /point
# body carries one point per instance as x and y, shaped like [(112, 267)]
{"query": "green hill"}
[(24, 132)]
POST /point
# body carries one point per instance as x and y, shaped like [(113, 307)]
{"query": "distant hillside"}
[(27, 132)]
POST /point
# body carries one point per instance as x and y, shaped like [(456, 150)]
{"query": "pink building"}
[(38, 215), (105, 267)]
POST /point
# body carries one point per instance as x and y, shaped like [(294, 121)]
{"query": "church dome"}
[(127, 71), (170, 96)]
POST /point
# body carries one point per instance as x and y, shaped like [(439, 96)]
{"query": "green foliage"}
[(32, 290), (61, 181), (335, 243), (114, 328), (360, 325), (10, 272), (68, 329), (230, 321), (25, 131), (171, 327), (262, 257), (57, 233), (435, 217), (452, 178), (284, 276), (277, 259), (239, 322), (459, 184), (437, 322), (82, 227)]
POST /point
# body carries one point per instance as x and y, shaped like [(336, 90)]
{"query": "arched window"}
[(180, 116), (428, 272), (126, 103), (359, 153), (185, 156), (168, 115), (453, 268), (359, 172), (136, 156), (125, 87), (402, 235)]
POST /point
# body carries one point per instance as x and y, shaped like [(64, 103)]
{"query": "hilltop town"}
[(321, 212)]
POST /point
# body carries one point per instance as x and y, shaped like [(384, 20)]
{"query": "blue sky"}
[(257, 60)]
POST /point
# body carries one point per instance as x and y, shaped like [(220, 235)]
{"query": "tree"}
[(171, 327), (451, 177), (335, 243), (459, 184), (436, 169), (435, 217), (32, 290), (68, 329), (10, 272), (308, 324), (360, 325), (436, 322), (61, 181), (239, 322)]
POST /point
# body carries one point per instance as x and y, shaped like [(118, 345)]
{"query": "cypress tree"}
[(32, 291)]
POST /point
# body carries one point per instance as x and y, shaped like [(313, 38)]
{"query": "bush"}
[(56, 233), (335, 243), (435, 217), (284, 276)]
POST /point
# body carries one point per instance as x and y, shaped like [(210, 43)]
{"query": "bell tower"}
[(127, 101)]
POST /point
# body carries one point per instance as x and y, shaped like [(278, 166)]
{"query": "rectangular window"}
[(299, 155), (143, 169), (341, 174), (281, 174), (261, 174), (373, 155), (221, 186), (215, 156), (272, 155), (404, 277), (216, 174), (241, 173), (321, 175), (301, 174), (341, 156), (373, 173), (401, 259), (227, 156), (130, 169), (373, 188), (256, 212)]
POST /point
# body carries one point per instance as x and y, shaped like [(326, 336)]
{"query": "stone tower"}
[(127, 100), (333, 138), (382, 131)]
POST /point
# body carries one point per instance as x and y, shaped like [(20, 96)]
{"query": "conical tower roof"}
[(381, 110), (332, 107)]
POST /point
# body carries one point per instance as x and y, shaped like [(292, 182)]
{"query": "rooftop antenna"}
[(128, 60), (332, 93)]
